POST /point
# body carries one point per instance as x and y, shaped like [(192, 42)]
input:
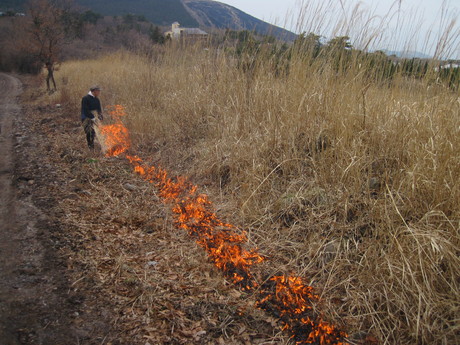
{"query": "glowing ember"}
[(286, 297)]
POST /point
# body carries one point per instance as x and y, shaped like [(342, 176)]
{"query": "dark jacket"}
[(90, 104)]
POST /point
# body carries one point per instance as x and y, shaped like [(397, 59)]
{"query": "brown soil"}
[(89, 255), (37, 302)]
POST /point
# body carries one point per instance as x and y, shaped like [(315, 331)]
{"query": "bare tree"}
[(47, 33)]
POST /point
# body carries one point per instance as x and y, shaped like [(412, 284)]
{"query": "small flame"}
[(292, 302), (285, 296)]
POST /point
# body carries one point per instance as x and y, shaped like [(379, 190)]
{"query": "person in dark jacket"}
[(90, 108)]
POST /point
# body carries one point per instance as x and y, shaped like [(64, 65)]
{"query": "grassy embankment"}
[(349, 182)]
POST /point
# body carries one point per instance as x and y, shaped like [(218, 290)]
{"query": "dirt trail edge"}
[(37, 305)]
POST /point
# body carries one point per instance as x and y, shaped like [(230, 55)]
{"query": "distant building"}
[(178, 33)]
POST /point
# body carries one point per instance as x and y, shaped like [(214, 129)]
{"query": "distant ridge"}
[(210, 13)]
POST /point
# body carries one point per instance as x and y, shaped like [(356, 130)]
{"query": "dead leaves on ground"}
[(158, 283)]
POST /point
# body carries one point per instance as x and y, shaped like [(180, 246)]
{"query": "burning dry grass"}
[(162, 288), (284, 296), (349, 183), (123, 248)]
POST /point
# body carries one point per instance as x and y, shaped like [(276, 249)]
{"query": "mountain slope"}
[(189, 13), (210, 13), (162, 12)]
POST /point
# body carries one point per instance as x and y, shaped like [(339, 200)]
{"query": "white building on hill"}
[(177, 33)]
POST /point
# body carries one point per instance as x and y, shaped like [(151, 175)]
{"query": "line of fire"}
[(288, 298)]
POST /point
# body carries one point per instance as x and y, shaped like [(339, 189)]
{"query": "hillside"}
[(191, 13), (216, 14), (161, 12)]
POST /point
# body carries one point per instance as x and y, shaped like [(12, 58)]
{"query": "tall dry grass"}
[(344, 179)]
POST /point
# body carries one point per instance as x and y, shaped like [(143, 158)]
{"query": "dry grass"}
[(126, 263), (162, 288), (346, 181)]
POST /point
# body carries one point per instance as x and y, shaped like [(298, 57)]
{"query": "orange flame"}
[(286, 297), (115, 136), (292, 302)]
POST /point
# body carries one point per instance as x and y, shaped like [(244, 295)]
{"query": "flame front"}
[(286, 297), (293, 302), (115, 137)]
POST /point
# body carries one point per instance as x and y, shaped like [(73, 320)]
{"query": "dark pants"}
[(88, 126)]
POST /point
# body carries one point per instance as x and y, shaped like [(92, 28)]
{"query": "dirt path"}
[(34, 302)]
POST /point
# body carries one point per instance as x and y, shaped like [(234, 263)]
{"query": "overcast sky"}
[(410, 24)]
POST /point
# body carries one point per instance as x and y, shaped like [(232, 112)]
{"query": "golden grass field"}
[(346, 181)]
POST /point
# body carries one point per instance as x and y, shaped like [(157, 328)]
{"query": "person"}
[(90, 108)]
